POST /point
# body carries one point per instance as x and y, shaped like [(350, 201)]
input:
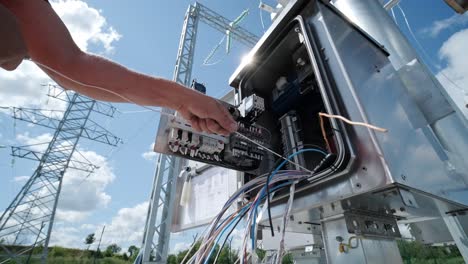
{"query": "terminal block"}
[(240, 151)]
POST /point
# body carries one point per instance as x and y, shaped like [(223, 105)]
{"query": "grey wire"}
[(158, 110), (274, 153), (252, 185)]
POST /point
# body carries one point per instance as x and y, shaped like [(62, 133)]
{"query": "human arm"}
[(12, 47), (49, 43)]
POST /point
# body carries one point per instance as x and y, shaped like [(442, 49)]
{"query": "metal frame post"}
[(155, 245), (458, 233)]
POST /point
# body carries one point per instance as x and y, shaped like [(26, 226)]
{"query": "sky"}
[(144, 35)]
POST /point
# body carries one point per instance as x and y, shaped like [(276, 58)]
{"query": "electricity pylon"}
[(157, 232), (26, 225)]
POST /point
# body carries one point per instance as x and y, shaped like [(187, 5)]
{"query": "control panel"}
[(241, 151)]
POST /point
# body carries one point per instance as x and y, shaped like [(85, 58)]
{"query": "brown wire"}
[(324, 133)]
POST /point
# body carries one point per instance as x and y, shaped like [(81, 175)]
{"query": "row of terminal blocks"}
[(235, 150), (195, 145)]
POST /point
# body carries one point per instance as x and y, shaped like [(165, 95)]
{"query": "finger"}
[(224, 119), (195, 122), (215, 127), (203, 126)]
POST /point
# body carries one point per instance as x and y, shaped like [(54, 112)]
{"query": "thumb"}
[(224, 119)]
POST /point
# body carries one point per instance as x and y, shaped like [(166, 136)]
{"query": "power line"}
[(29, 219)]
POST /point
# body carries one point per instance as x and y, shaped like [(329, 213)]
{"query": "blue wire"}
[(263, 195), (224, 230), (235, 197), (252, 229), (237, 217)]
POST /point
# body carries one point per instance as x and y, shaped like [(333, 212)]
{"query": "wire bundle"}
[(224, 224), (276, 180)]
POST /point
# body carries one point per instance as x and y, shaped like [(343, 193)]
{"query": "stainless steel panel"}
[(368, 250), (369, 89), (373, 19), (430, 231), (308, 256), (292, 240), (364, 74), (425, 91)]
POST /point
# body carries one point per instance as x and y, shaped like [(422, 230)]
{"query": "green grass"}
[(455, 260), (74, 260)]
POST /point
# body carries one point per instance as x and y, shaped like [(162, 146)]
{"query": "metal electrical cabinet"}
[(315, 59), (407, 173)]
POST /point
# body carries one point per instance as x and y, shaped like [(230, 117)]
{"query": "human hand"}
[(207, 114)]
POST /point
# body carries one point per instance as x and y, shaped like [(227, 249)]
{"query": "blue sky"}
[(149, 35)]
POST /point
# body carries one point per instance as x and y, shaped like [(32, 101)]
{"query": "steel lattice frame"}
[(27, 222), (157, 232)]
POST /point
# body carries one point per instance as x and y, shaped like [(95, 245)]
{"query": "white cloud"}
[(21, 179), (440, 25), (87, 26), (150, 155), (82, 192), (38, 143), (181, 246), (456, 70), (126, 228), (22, 88), (88, 227), (71, 216), (67, 236)]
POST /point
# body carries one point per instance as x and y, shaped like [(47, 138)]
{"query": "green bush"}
[(74, 260), (58, 252)]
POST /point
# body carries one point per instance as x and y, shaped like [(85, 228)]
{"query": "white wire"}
[(257, 182), (275, 153), (394, 17), (261, 16), (171, 115), (134, 112), (285, 222), (423, 50), (158, 110)]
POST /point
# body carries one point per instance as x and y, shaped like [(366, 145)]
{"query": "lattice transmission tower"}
[(26, 225), (157, 232)]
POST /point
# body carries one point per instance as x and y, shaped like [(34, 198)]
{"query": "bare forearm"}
[(120, 83), (49, 43), (12, 47)]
